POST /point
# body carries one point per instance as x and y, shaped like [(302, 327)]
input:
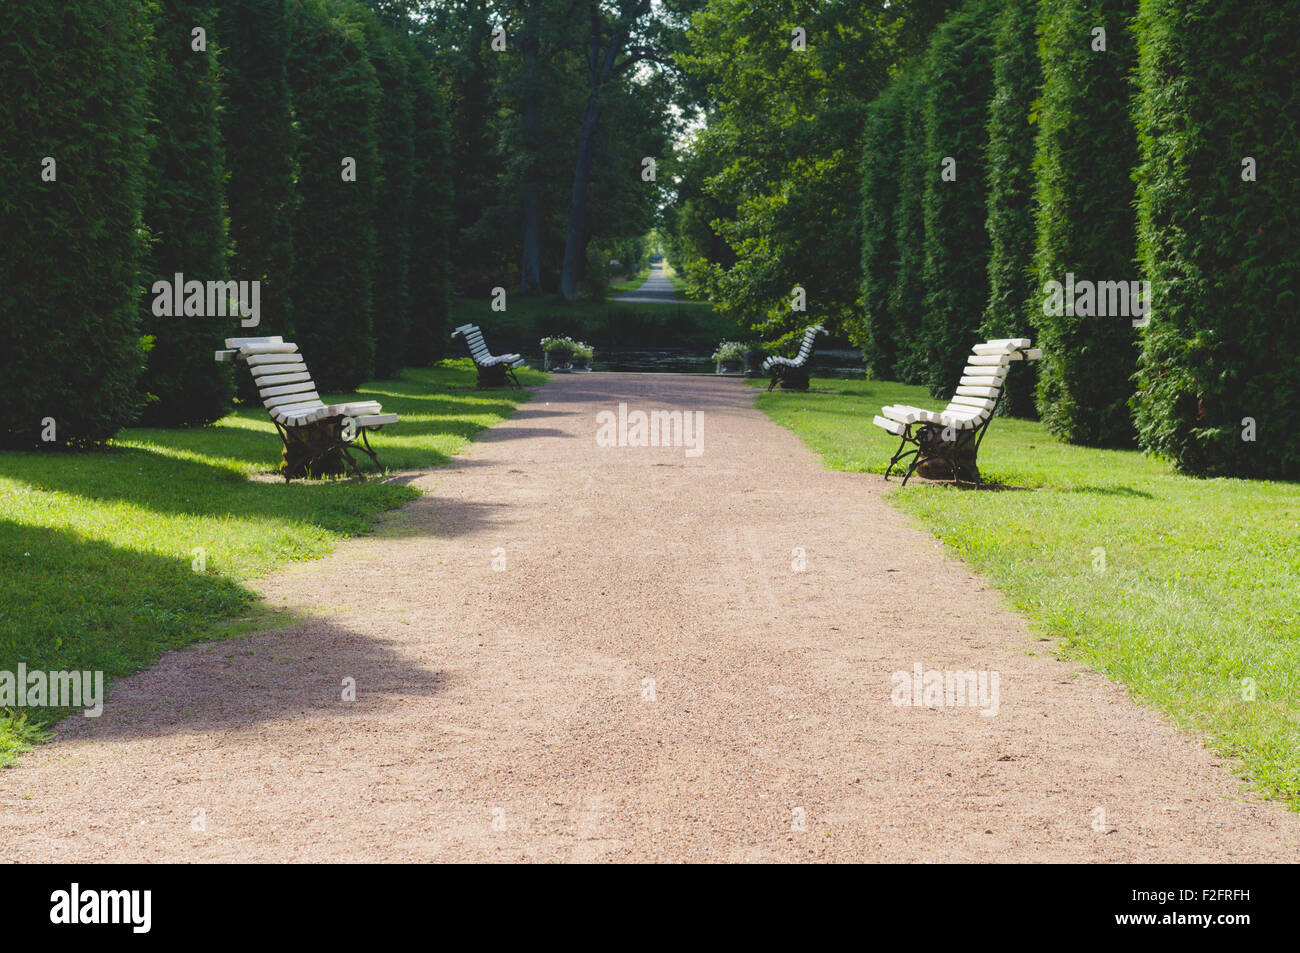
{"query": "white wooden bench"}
[(792, 372), (953, 435), (492, 369), (309, 429)]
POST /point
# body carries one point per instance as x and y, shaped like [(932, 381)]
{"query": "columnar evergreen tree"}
[(72, 173), (431, 198), (907, 296), (876, 334), (1218, 190), (335, 100), (1086, 151), (1012, 288), (185, 213), (259, 142), (392, 321), (955, 273)]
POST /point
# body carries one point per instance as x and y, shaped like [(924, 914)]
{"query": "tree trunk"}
[(575, 242), (530, 267)]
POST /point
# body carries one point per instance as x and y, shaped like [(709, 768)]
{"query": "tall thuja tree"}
[(335, 102), (185, 214), (907, 294), (1012, 288), (1086, 151), (1218, 190), (460, 34), (877, 334), (72, 170), (259, 143), (955, 273), (392, 324), (431, 200)]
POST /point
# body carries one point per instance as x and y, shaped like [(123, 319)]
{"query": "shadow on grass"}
[(68, 603), (1110, 491)]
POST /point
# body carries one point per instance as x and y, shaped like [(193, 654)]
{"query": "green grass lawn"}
[(1200, 585), (605, 324), (97, 548)]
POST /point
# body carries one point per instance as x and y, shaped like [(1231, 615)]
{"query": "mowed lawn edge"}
[(1186, 590), (109, 558)]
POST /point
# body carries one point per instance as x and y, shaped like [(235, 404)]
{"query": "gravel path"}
[(506, 715), (656, 289)]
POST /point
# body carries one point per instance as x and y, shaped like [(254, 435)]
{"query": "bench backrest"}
[(986, 369), (281, 375), (473, 336), (809, 336)]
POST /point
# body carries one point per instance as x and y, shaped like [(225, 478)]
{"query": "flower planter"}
[(580, 364), (557, 362), (730, 367)]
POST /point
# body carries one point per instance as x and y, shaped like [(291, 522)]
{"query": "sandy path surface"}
[(505, 713), (657, 288)]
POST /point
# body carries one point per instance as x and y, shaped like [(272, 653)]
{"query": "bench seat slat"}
[(376, 420), (892, 426)]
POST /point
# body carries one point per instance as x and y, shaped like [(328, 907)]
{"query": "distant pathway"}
[(574, 652), (656, 289)]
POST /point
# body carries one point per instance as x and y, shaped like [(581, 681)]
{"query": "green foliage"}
[(431, 207), (788, 128), (259, 142), (1086, 151), (460, 34), (882, 172), (907, 295), (958, 87), (185, 213), (1220, 83), (74, 77), (335, 100), (392, 305), (1012, 291)]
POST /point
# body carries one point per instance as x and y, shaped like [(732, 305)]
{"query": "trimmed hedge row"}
[(69, 275), (431, 204), (1087, 148), (180, 152), (877, 336), (184, 211), (336, 99), (906, 296), (1220, 364), (959, 80), (1012, 289), (260, 146)]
